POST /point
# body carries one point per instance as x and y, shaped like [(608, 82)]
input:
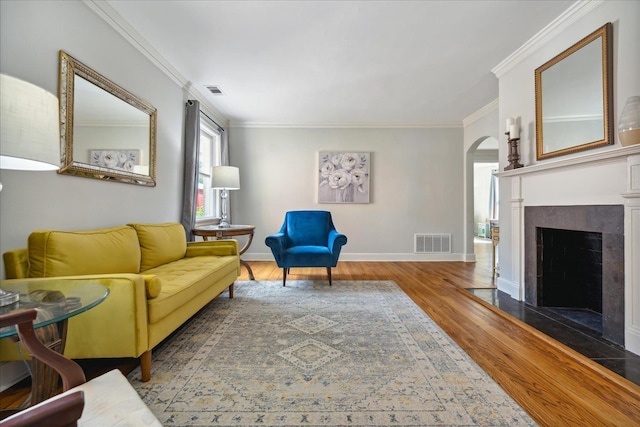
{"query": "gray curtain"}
[(224, 138), (191, 154)]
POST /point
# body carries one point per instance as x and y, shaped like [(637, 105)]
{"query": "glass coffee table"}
[(55, 301)]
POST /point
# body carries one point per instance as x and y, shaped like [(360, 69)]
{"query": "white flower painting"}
[(343, 177), (115, 159)]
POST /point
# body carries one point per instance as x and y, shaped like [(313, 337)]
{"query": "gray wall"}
[(31, 35), (416, 186)]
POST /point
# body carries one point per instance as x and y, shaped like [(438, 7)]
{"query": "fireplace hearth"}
[(574, 263)]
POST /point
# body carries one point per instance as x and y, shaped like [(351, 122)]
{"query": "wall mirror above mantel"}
[(106, 132), (574, 90)]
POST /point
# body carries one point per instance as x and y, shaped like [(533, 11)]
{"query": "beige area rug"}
[(358, 353)]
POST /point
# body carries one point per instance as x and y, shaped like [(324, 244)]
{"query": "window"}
[(207, 203)]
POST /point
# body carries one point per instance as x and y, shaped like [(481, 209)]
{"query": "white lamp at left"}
[(29, 133)]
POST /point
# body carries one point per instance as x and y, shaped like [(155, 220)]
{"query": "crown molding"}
[(118, 23), (487, 109), (562, 22), (440, 125)]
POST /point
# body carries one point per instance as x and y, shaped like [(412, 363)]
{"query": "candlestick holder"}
[(513, 156)]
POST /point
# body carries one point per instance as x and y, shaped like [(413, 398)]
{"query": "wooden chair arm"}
[(56, 412), (70, 372)]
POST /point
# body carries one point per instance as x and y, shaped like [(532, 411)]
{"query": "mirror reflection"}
[(572, 98), (108, 133)]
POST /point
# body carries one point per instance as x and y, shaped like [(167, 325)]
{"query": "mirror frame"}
[(69, 69), (605, 33)]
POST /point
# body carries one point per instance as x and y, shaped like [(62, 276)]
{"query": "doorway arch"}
[(474, 154)]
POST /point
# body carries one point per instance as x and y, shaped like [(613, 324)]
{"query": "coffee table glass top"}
[(55, 300)]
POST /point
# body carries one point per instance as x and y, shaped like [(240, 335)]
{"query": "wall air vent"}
[(215, 90), (432, 243)]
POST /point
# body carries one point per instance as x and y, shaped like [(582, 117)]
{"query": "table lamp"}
[(225, 178), (29, 134)]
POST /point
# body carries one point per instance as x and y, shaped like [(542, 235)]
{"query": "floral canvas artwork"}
[(115, 159), (343, 177)]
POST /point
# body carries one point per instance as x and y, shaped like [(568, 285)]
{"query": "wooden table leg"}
[(248, 267), (242, 250)]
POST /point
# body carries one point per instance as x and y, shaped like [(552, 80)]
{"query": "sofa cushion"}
[(160, 243), (68, 253), (185, 280)]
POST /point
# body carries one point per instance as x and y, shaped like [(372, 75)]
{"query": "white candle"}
[(510, 122), (514, 132)]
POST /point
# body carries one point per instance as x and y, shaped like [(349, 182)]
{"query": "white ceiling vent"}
[(432, 243), (215, 90)]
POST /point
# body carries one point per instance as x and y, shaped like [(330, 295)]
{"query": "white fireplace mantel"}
[(599, 156), (601, 177)]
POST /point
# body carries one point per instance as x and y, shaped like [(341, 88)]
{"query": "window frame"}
[(211, 135)]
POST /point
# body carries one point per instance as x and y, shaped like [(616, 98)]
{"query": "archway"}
[(482, 150)]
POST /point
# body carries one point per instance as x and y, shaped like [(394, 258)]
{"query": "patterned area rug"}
[(359, 353)]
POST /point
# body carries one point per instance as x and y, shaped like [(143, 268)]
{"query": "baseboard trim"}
[(632, 339), (509, 287), (375, 257)]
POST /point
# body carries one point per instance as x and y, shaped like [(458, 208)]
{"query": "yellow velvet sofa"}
[(156, 280)]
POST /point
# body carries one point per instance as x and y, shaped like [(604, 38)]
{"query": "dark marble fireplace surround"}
[(606, 221)]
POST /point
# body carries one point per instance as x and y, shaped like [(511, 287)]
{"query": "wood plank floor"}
[(554, 384)]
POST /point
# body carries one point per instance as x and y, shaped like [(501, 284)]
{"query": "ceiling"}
[(340, 63)]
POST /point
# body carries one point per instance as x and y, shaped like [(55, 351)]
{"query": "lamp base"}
[(224, 224)]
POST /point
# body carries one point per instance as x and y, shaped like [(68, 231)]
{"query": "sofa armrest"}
[(117, 327), (16, 263), (224, 247)]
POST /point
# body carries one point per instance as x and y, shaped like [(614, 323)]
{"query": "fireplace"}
[(574, 259)]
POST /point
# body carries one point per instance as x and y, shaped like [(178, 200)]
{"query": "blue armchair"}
[(306, 239)]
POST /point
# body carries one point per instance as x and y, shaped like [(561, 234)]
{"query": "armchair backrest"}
[(307, 228)]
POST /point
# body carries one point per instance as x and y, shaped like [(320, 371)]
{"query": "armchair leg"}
[(284, 276), (329, 273)]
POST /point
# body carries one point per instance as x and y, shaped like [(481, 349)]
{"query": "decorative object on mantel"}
[(513, 136), (629, 123), (225, 178)]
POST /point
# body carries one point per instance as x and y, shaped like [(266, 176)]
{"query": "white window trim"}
[(209, 128)]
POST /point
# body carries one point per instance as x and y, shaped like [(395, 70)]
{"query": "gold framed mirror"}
[(574, 91), (106, 132)]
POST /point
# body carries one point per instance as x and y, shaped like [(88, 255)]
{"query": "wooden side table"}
[(206, 231)]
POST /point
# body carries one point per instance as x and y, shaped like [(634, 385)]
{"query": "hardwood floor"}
[(554, 384)]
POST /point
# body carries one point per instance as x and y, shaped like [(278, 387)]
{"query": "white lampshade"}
[(225, 177), (30, 126)]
